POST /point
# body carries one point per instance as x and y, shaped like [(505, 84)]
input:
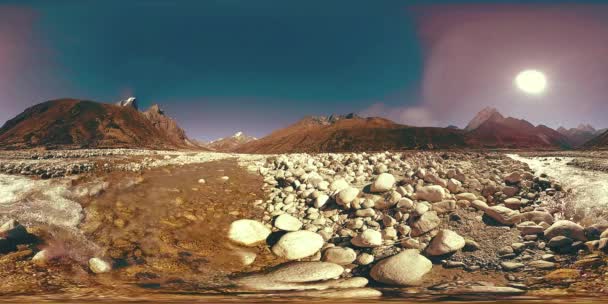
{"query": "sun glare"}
[(531, 81)]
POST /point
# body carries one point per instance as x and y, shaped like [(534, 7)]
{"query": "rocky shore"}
[(353, 225), (393, 219)]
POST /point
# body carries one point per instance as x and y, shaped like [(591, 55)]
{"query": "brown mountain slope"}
[(599, 142), (73, 123), (495, 131), (352, 133)]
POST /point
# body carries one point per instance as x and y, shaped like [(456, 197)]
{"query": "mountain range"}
[(581, 134), (490, 129), (74, 123), (229, 144), (353, 133)]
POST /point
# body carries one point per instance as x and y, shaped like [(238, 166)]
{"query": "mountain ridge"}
[(76, 123)]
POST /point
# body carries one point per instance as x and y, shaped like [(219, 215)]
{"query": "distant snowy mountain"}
[(229, 144)]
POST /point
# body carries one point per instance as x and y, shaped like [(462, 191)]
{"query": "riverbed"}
[(587, 200)]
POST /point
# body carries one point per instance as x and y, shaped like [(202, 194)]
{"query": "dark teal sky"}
[(223, 66)]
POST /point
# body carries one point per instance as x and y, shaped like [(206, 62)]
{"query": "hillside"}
[(73, 123)]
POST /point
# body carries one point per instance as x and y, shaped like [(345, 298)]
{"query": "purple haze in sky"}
[(473, 54)]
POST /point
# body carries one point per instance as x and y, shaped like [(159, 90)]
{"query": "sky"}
[(222, 66)]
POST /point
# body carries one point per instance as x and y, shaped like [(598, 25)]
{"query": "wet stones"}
[(248, 232), (298, 245), (296, 276), (404, 269)]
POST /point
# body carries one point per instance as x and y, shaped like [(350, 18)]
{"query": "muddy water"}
[(587, 199)]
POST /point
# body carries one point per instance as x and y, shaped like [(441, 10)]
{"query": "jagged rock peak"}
[(326, 120), (488, 113), (129, 102), (155, 108)]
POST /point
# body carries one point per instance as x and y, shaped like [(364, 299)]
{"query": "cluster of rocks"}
[(54, 163), (386, 216), (45, 171), (16, 237)]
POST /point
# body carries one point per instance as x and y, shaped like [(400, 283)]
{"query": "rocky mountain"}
[(166, 125), (129, 102), (74, 123), (229, 144), (342, 133), (598, 142), (484, 115), (579, 135), (490, 129)]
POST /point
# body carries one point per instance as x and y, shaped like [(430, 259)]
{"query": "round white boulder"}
[(346, 196), (298, 245), (248, 232), (404, 269), (287, 222), (368, 238), (432, 194), (98, 265), (446, 241), (383, 183)]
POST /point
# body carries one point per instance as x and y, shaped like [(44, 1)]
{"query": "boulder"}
[(339, 255), (503, 215), (248, 232), (446, 241), (346, 196), (425, 223), (432, 194), (566, 228), (368, 238), (298, 245), (287, 222), (383, 183), (404, 269), (98, 265)]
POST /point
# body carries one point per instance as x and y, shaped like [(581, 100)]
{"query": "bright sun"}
[(531, 81)]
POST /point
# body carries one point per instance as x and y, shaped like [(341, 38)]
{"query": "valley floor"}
[(160, 220)]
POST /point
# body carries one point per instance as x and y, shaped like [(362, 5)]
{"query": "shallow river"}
[(587, 201)]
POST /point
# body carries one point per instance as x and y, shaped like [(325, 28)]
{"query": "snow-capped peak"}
[(238, 134)]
